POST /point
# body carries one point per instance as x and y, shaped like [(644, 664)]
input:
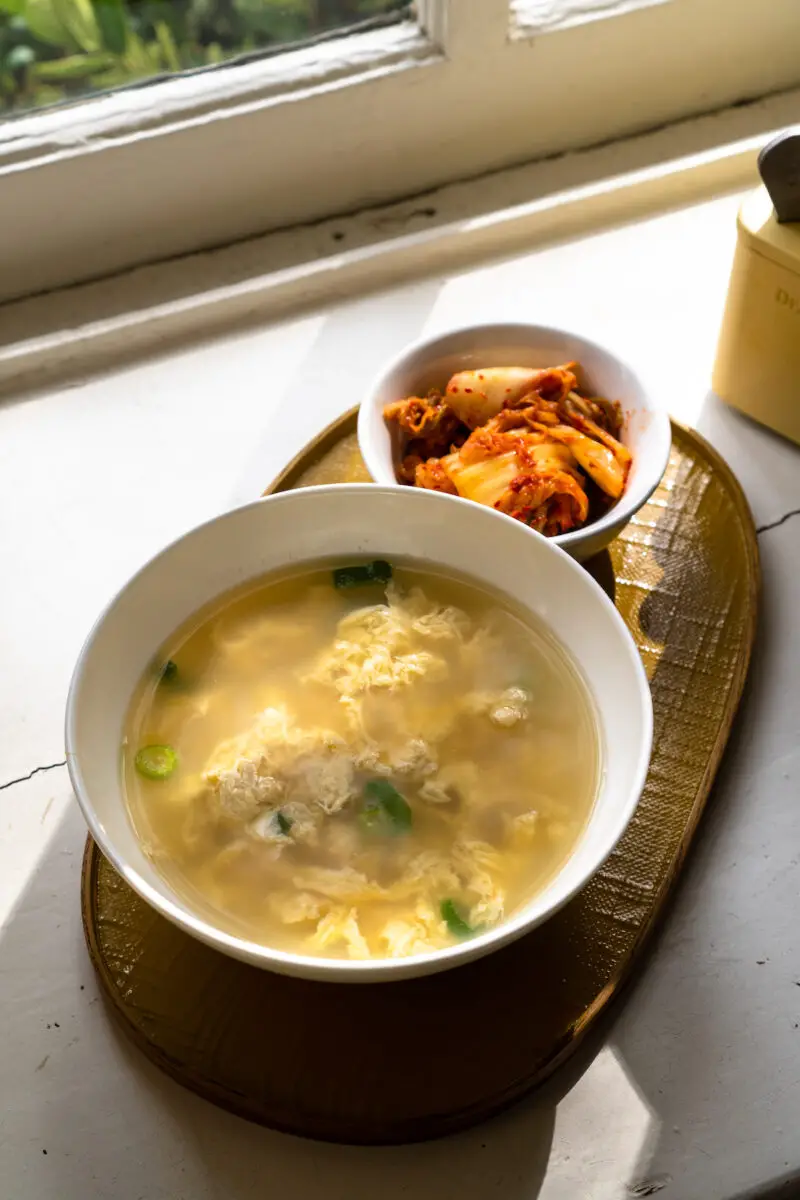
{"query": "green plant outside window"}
[(53, 51)]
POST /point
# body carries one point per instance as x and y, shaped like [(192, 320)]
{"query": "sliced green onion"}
[(385, 810), (284, 823), (156, 762), (362, 574), (454, 920), (169, 671)]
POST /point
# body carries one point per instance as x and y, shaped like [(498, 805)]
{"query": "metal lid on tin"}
[(779, 167), (769, 219)]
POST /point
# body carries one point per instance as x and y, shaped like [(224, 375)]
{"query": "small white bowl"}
[(429, 363), (339, 523)]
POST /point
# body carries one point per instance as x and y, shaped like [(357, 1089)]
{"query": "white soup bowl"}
[(341, 523)]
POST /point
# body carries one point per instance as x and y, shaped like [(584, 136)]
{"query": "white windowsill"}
[(81, 328)]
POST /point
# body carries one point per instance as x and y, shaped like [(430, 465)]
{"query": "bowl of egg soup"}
[(358, 733)]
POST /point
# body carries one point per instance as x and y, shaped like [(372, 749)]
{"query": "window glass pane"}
[(53, 51)]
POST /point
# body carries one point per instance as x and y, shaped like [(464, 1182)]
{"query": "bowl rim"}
[(180, 913), (658, 434)]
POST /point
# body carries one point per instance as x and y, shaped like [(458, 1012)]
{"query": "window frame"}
[(208, 159)]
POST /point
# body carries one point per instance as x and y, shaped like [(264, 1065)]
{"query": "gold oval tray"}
[(404, 1061)]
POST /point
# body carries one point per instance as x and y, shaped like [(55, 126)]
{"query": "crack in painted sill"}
[(794, 512), (30, 775)]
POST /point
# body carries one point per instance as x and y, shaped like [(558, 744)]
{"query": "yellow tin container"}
[(757, 368)]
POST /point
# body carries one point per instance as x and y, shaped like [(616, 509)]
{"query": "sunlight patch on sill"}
[(632, 1131)]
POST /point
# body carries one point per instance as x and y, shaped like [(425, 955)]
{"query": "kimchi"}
[(529, 443)]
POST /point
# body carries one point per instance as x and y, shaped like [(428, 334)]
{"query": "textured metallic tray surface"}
[(397, 1062)]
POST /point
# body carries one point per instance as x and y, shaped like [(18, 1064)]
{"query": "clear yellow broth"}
[(365, 772)]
